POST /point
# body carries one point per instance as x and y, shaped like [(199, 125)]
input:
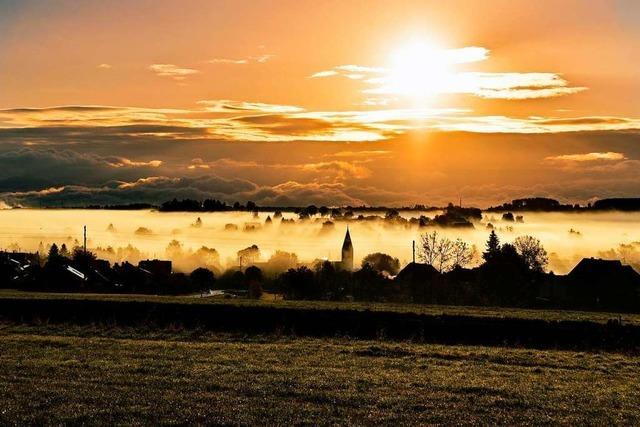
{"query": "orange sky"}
[(204, 74)]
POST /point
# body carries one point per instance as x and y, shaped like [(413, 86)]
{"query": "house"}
[(418, 281), (416, 272), (604, 284), (15, 266), (156, 267)]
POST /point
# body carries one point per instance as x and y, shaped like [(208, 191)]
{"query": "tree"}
[(82, 258), (427, 252), (462, 253), (382, 263), (532, 252), (64, 252), (174, 250), (202, 278), (444, 252), (493, 247), (299, 283), (282, 261), (53, 252), (254, 279), (391, 214), (435, 251), (249, 255)]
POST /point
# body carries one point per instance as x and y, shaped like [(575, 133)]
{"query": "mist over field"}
[(216, 239)]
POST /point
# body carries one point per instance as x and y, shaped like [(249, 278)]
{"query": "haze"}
[(610, 235)]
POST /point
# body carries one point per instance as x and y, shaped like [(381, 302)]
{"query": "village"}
[(505, 278)]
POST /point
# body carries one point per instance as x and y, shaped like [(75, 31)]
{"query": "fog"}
[(135, 235)]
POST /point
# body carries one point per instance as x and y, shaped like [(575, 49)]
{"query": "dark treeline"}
[(543, 204), (531, 204), (213, 205)]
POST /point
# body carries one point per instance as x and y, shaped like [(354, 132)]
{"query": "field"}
[(103, 359), (85, 374)]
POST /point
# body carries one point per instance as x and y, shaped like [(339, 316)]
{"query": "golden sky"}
[(319, 101)]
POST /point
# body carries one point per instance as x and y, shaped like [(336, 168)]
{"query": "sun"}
[(420, 71)]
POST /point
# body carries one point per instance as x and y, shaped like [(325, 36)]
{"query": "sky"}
[(324, 102)]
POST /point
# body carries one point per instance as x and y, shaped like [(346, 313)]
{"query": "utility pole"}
[(85, 239), (414, 251)]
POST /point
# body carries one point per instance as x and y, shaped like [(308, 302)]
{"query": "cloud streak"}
[(588, 157), (173, 71), (226, 120)]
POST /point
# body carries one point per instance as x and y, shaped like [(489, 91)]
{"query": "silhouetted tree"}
[(83, 259), (282, 261), (368, 283), (462, 254), (202, 278), (382, 263), (53, 252), (391, 214), (492, 247), (299, 283), (254, 279), (436, 251), (532, 251)]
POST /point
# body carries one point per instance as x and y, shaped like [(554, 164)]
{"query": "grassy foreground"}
[(87, 374)]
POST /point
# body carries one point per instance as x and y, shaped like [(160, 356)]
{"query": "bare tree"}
[(462, 253), (427, 252), (532, 251), (443, 253)]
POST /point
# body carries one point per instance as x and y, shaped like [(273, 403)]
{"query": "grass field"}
[(51, 374), (518, 313)]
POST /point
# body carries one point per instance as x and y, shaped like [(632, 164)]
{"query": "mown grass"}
[(52, 374), (517, 313)]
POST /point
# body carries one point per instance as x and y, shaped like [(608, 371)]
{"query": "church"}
[(346, 262)]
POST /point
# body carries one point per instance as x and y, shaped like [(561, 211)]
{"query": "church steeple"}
[(347, 252)]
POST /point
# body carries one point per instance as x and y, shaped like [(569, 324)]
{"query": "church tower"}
[(347, 252)]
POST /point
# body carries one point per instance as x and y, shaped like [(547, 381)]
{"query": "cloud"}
[(341, 169), (256, 121), (327, 170), (513, 86), (124, 162), (198, 163), (588, 157), (362, 153), (227, 61), (105, 66), (260, 59), (421, 69), (354, 72), (172, 71), (158, 189), (431, 168), (32, 169), (228, 106), (585, 121)]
